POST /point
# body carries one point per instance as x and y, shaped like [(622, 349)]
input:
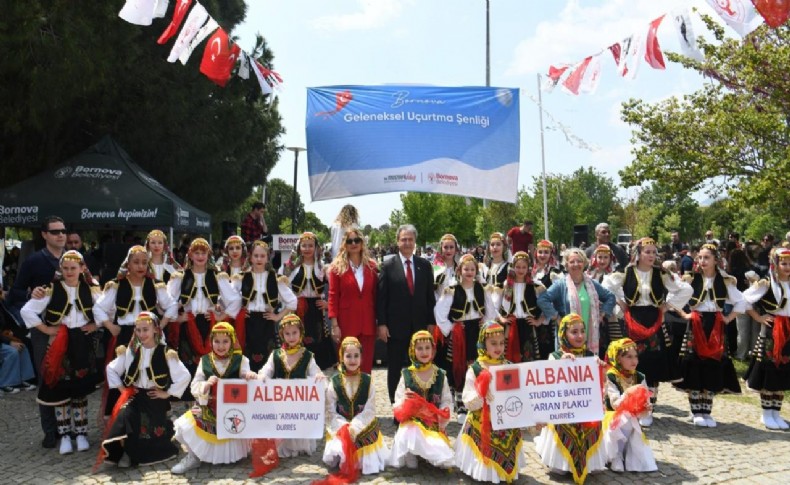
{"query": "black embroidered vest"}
[(189, 289), (124, 302), (461, 306), (299, 370), (717, 294), (249, 293), (768, 301), (299, 282), (529, 302), (350, 406), (499, 278), (631, 288), (59, 306), (158, 370)]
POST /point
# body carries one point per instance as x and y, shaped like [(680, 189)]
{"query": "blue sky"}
[(442, 42)]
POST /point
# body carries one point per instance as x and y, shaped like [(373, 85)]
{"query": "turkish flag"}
[(507, 379), (235, 394), (219, 57), (182, 7), (653, 54), (775, 12)]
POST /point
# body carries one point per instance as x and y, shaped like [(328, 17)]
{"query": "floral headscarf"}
[(420, 336), (489, 329), (225, 328), (346, 343), (566, 323), (291, 319), (617, 349)]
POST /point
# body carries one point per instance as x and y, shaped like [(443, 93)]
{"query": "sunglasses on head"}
[(354, 240), (55, 232)]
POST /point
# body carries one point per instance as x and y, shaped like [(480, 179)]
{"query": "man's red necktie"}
[(409, 277)]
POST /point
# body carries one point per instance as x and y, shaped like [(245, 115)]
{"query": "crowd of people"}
[(161, 331)]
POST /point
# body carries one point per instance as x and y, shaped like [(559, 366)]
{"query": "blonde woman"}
[(347, 218)]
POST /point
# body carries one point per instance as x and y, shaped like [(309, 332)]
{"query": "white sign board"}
[(546, 391), (285, 242), (277, 408)]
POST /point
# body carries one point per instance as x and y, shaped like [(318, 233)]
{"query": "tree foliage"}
[(279, 195), (73, 72), (437, 214), (730, 136)]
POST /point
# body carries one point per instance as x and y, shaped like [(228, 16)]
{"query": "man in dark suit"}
[(402, 306)]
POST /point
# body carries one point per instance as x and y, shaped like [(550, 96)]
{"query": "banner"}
[(374, 139), (277, 408), (285, 242), (546, 391)]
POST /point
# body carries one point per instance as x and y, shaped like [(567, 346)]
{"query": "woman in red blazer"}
[(352, 295)]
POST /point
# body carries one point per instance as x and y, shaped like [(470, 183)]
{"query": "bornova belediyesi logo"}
[(88, 172), (341, 100)]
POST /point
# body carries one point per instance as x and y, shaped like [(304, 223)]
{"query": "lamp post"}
[(296, 151)]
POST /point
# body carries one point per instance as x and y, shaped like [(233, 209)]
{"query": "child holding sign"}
[(574, 447), (627, 396), (422, 406), (292, 361), (148, 375), (197, 430), (483, 454), (351, 417)]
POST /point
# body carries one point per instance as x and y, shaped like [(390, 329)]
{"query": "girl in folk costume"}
[(308, 281), (69, 372), (626, 396), (134, 290), (234, 256), (578, 293), (161, 256), (497, 257), (422, 407), (196, 429), (148, 375), (705, 366), (198, 290), (519, 311), (352, 426), (445, 263), (459, 313), (353, 279), (602, 265), (644, 291), (546, 268), (769, 371), (292, 361), (480, 452), (574, 447), (262, 295)]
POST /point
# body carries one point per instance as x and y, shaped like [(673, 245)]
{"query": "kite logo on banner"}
[(374, 139), (738, 14)]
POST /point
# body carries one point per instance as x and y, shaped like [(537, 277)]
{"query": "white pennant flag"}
[(161, 8), (688, 41), (592, 76), (196, 18), (138, 12), (244, 66), (631, 55), (738, 14), (265, 87), (201, 35)]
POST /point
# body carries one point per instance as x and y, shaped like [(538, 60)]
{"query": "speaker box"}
[(581, 235)]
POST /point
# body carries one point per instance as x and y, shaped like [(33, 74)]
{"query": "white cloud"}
[(580, 31), (373, 14)]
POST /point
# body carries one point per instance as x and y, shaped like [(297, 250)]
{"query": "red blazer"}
[(355, 310)]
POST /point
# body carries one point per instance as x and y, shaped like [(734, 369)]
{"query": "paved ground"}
[(740, 450)]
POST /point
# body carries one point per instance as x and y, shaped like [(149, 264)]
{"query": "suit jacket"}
[(355, 310), (402, 312)]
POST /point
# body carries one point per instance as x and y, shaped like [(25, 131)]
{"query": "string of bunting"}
[(743, 16), (191, 24)]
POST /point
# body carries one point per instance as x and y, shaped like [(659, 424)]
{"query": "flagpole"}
[(543, 164), (488, 61)]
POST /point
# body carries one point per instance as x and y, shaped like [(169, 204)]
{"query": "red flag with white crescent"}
[(219, 57), (775, 12), (180, 11), (653, 54)]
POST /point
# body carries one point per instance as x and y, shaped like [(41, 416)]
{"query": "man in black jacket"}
[(402, 306)]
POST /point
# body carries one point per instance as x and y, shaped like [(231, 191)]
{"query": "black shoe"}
[(49, 441)]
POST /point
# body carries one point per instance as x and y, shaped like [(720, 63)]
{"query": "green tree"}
[(437, 214), (731, 136), (311, 222), (73, 72), (279, 195)]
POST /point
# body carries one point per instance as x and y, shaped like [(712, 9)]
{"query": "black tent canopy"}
[(100, 187)]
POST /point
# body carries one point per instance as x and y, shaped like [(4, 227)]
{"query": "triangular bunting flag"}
[(180, 11), (201, 35), (553, 78), (244, 66), (161, 8), (775, 12), (738, 14), (686, 37), (138, 12), (196, 18), (573, 82), (653, 54), (219, 57)]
